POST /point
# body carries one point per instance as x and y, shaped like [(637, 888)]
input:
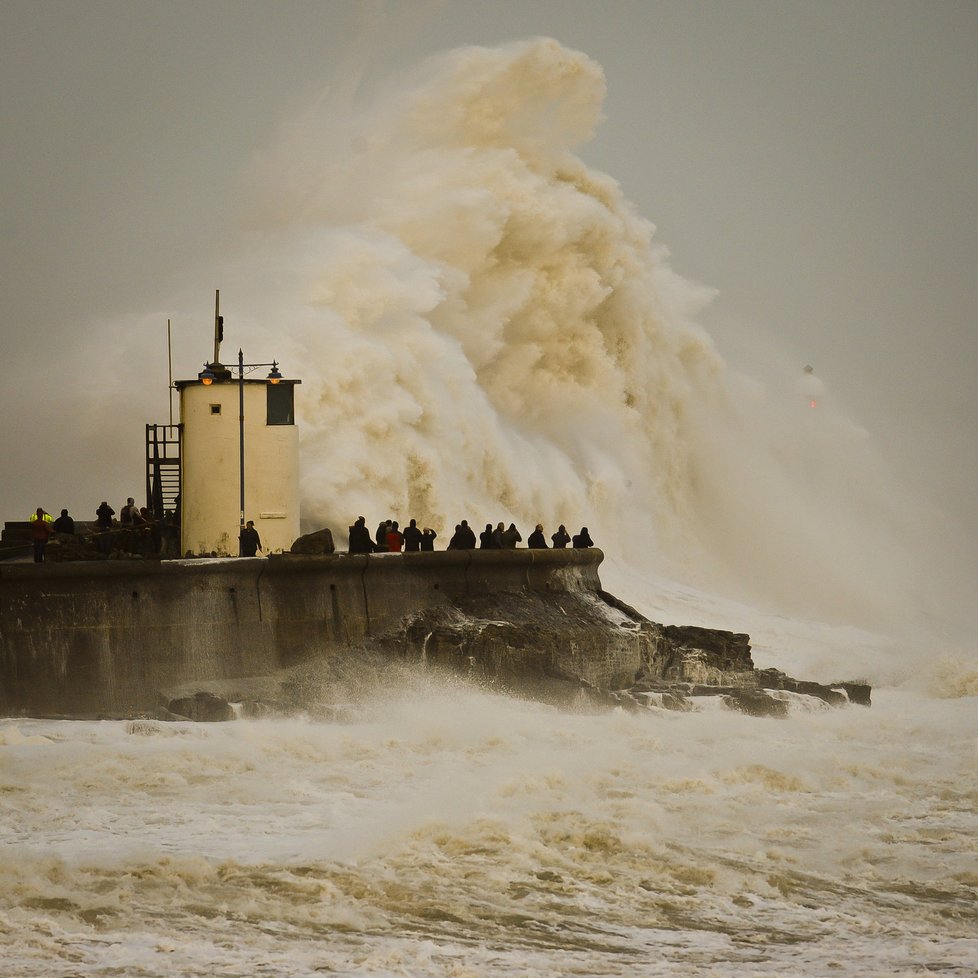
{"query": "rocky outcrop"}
[(525, 637), (570, 640), (835, 694), (567, 646)]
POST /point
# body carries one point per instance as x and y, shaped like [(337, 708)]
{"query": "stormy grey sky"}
[(813, 162)]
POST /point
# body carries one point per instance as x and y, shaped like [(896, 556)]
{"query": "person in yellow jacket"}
[(42, 526)]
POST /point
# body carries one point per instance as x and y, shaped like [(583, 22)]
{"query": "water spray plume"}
[(489, 331)]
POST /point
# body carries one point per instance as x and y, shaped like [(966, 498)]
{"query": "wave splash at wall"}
[(487, 330)]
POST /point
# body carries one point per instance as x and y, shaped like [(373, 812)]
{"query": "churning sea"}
[(434, 828)]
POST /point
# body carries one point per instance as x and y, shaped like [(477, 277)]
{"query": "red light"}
[(813, 404)]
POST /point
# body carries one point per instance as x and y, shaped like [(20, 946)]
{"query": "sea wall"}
[(87, 639)]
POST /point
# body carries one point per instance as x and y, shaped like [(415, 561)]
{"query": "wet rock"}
[(835, 694), (858, 692), (569, 650), (718, 649), (755, 703), (527, 639), (665, 699), (202, 707), (217, 700)]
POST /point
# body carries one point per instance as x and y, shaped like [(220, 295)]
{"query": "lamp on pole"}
[(273, 378)]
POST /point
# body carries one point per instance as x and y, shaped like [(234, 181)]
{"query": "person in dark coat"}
[(147, 522), (511, 537), (412, 537), (103, 521), (64, 523), (250, 541), (583, 539), (360, 542), (561, 538), (381, 535), (486, 541), (463, 538), (536, 540), (428, 539), (497, 536), (169, 535), (468, 536)]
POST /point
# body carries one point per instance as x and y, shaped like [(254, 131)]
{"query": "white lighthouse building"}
[(238, 456)]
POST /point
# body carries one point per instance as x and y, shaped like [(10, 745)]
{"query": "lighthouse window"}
[(281, 408), (215, 409)]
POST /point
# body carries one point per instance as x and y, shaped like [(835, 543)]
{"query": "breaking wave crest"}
[(952, 678), (487, 330)]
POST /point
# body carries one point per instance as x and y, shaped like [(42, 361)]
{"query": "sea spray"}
[(500, 333)]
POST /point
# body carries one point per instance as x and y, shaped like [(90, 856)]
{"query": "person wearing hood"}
[(463, 538), (511, 537), (561, 538), (360, 542), (583, 539)]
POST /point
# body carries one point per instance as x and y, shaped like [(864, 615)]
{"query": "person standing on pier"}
[(250, 541), (360, 542), (412, 537), (583, 539), (510, 537), (395, 539), (561, 538), (42, 526)]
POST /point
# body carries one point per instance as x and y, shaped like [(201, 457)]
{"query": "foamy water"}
[(448, 831)]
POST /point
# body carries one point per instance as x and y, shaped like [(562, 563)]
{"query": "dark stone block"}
[(202, 707), (755, 703), (319, 542), (859, 693)]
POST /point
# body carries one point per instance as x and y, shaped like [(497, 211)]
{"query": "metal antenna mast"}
[(218, 326)]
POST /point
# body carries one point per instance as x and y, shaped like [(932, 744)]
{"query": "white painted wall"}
[(210, 495)]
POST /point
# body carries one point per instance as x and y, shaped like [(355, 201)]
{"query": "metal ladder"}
[(163, 468)]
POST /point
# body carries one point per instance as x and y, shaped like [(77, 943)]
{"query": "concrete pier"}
[(100, 638)]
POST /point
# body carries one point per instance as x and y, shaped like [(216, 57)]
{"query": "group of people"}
[(162, 534), (44, 526), (389, 538)]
